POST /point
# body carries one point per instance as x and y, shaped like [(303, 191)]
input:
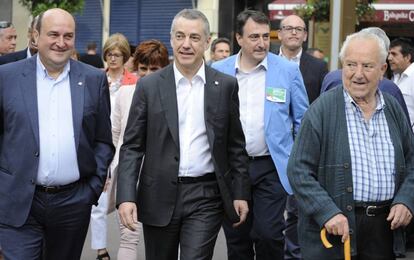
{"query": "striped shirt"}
[(372, 152)]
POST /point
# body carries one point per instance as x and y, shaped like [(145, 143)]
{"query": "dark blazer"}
[(14, 56), (313, 71), (19, 134), (152, 130)]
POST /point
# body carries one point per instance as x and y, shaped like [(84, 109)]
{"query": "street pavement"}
[(220, 251)]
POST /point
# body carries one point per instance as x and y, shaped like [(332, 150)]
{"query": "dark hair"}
[(91, 46), (39, 21), (312, 50), (406, 47), (151, 52), (217, 41), (256, 16)]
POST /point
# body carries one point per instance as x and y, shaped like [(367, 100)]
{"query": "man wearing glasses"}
[(8, 38), (272, 102), (292, 34)]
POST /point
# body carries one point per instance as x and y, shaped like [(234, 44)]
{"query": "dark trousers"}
[(374, 237), (262, 234), (57, 223), (292, 248), (196, 221)]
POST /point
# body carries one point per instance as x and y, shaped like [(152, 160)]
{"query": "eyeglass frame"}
[(298, 29), (5, 24), (110, 55)]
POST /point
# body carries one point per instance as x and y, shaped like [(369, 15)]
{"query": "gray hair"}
[(192, 14), (380, 33), (364, 35)]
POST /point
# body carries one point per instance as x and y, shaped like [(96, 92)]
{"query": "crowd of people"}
[(271, 147)]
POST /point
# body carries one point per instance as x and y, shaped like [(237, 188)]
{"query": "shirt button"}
[(36, 154), (32, 181), (346, 165), (349, 189), (349, 208)]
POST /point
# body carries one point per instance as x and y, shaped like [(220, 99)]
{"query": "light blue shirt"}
[(58, 164)]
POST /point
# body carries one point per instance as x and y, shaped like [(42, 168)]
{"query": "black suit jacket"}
[(313, 71), (14, 56), (152, 130)]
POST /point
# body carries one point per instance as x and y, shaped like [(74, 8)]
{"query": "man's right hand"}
[(338, 225), (129, 215)]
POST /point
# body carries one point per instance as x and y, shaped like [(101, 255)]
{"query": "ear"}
[(239, 39), (207, 43), (35, 36)]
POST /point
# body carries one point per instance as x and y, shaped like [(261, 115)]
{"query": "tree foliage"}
[(37, 6), (319, 10)]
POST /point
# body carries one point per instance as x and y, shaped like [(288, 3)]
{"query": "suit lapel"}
[(168, 94), (211, 102), (77, 91), (28, 86)]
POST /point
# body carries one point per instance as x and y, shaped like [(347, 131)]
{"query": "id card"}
[(276, 94)]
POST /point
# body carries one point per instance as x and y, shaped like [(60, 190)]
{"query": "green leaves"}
[(37, 6)]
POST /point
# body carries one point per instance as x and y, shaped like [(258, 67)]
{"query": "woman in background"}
[(116, 52), (149, 57)]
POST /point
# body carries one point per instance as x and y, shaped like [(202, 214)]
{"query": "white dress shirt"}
[(58, 163), (295, 59), (195, 154), (405, 82), (252, 102)]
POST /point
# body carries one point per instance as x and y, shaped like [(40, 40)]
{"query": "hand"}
[(128, 214), (338, 225), (242, 209), (400, 216)]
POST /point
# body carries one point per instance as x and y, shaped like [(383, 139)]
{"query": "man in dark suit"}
[(292, 34), (272, 103), (185, 120), (55, 145), (25, 53)]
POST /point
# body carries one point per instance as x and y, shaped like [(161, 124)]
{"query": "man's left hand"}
[(400, 216), (242, 209)]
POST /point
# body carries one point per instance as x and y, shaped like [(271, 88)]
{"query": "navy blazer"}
[(14, 56), (19, 135)]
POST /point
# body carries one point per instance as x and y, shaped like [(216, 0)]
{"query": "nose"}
[(186, 42), (60, 42)]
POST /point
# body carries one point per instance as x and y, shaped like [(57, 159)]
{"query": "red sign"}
[(394, 16)]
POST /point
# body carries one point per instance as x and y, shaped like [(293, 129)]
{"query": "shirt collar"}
[(262, 64), (294, 59), (42, 72), (378, 96), (201, 74)]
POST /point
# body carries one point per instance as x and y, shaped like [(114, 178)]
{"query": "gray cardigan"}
[(320, 173)]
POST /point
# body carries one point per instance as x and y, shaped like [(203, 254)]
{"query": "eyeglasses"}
[(114, 55), (5, 24), (298, 29), (255, 37)]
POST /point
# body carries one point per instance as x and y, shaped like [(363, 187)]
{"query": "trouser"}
[(194, 226), (262, 234), (57, 223)]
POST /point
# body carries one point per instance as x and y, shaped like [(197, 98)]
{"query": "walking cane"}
[(347, 244)]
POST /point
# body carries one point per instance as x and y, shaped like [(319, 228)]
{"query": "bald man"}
[(55, 145)]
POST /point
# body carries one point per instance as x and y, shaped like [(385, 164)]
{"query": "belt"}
[(372, 209), (56, 189), (260, 157), (211, 176)]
